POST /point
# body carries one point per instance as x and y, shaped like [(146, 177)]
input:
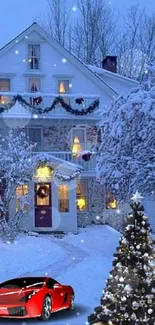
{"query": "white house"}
[(39, 70)]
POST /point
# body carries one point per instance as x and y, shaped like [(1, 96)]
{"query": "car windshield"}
[(23, 283)]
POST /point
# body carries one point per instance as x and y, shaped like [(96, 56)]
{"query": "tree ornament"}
[(150, 311), (137, 197)]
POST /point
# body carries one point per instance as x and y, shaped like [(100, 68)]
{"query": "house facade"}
[(56, 106)]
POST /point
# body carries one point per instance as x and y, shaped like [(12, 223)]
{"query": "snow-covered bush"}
[(15, 169), (126, 160)]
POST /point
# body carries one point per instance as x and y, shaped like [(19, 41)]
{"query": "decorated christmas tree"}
[(129, 296)]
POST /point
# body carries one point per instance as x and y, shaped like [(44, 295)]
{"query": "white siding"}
[(11, 62)]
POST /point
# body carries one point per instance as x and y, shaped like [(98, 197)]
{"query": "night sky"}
[(16, 15)]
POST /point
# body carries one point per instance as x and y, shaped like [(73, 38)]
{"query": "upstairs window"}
[(78, 140), (63, 88), (35, 137), (34, 57), (4, 86), (33, 86)]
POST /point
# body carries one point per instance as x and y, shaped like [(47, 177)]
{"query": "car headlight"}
[(28, 296)]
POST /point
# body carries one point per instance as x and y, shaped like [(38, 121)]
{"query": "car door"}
[(57, 294)]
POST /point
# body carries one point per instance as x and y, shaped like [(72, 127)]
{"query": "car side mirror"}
[(56, 286)]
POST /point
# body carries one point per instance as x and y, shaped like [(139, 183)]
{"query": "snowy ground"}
[(82, 260)]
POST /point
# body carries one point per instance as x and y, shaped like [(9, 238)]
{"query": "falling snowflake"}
[(74, 8)]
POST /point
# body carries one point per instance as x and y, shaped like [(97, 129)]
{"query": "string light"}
[(64, 60), (17, 52)]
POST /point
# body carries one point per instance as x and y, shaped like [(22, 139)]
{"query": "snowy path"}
[(72, 256)]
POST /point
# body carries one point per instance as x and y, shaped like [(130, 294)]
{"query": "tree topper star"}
[(137, 197)]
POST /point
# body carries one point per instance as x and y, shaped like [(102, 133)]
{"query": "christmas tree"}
[(129, 296)]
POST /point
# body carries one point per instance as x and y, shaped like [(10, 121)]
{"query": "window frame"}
[(6, 98), (17, 200), (41, 132), (33, 57), (111, 196), (28, 83), (69, 208), (85, 136), (86, 195)]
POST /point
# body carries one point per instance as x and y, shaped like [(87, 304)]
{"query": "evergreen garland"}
[(58, 100)]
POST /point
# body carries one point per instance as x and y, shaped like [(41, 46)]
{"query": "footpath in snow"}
[(82, 260)]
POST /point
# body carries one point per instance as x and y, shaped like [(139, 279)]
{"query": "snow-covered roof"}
[(72, 58), (52, 159), (103, 72)]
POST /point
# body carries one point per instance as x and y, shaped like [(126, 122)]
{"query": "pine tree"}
[(129, 296)]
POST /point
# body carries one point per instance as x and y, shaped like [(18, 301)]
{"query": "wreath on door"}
[(43, 191)]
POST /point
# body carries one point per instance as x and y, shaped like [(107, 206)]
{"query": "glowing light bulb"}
[(64, 60), (17, 52)]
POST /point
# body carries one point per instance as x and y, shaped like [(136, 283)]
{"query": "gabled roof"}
[(73, 59)]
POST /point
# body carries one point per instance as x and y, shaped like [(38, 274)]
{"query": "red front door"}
[(43, 206)]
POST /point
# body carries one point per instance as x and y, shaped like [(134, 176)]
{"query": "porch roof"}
[(60, 163)]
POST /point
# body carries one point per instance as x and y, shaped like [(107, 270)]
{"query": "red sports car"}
[(34, 297)]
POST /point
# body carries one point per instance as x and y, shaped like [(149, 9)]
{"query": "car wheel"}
[(46, 308), (72, 302)]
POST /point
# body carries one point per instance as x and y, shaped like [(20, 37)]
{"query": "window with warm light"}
[(78, 140), (111, 202), (21, 190), (35, 137), (63, 198), (44, 200), (81, 195), (63, 88), (4, 86), (34, 56)]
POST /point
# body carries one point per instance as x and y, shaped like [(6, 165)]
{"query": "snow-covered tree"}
[(129, 296), (126, 160), (15, 170)]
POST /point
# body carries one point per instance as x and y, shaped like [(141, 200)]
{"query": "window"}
[(78, 140), (50, 283), (33, 86), (21, 191), (44, 200), (35, 137), (81, 195), (34, 57), (4, 86), (111, 202), (63, 198), (63, 88)]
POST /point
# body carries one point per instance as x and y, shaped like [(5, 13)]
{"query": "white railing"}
[(88, 166), (47, 100)]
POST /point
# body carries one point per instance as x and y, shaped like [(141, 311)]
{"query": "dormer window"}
[(34, 57)]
